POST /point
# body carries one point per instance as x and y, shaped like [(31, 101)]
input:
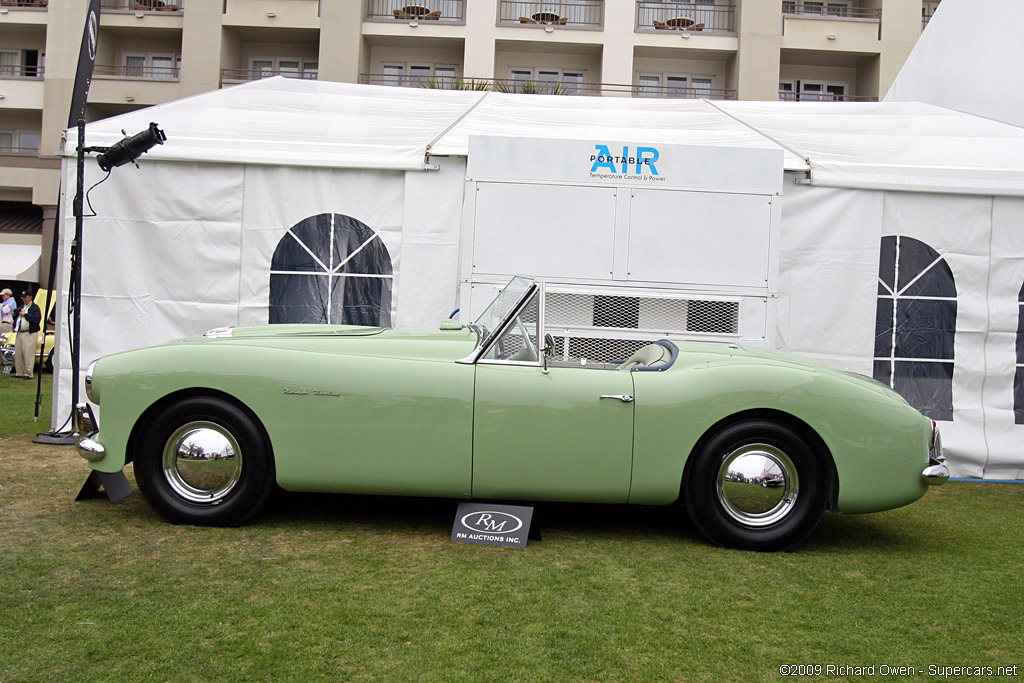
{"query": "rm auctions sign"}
[(490, 524), (631, 163)]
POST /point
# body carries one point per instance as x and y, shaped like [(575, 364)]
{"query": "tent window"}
[(331, 269), (915, 324), (1018, 378)]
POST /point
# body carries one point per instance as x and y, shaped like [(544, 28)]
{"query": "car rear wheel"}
[(756, 485), (204, 461)]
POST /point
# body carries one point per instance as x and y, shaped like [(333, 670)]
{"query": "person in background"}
[(7, 306), (28, 336)]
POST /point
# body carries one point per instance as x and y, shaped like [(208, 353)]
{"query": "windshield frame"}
[(485, 338)]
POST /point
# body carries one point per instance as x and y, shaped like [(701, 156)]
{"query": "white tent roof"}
[(906, 146), (968, 60), (20, 262)]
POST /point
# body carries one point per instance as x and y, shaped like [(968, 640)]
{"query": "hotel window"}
[(151, 65), (290, 67), (21, 63), (915, 325), (562, 81), (19, 142), (812, 91), (674, 85), (418, 74), (831, 8)]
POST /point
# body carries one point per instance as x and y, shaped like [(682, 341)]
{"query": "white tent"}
[(20, 262), (186, 242), (969, 59)]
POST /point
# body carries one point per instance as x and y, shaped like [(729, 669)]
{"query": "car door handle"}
[(625, 398)]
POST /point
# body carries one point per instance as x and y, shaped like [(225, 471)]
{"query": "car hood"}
[(446, 344)]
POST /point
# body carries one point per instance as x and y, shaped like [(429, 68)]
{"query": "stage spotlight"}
[(131, 148)]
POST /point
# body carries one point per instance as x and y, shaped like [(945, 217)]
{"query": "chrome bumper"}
[(936, 473), (86, 425)]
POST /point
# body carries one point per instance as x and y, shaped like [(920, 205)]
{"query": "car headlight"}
[(91, 391)]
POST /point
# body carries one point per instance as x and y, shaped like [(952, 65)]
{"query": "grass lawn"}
[(370, 589)]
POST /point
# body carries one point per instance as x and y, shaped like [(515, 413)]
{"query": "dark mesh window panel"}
[(915, 325), (332, 269), (1018, 377)]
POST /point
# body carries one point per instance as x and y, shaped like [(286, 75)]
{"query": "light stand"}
[(126, 150)]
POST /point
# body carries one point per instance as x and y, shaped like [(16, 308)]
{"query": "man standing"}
[(7, 306), (28, 336)]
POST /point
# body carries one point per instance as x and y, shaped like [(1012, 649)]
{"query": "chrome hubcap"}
[(757, 485), (202, 462)]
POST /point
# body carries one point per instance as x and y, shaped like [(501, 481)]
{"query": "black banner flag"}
[(86, 60)]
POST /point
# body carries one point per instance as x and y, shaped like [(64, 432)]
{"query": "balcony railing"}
[(537, 87), (588, 14), (18, 150), (230, 76), (143, 5), (685, 16), (450, 11), (789, 96), (169, 73), (27, 4), (832, 11), (19, 71), (674, 92)]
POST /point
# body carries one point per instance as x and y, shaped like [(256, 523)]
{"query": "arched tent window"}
[(331, 268), (1018, 377), (915, 324)]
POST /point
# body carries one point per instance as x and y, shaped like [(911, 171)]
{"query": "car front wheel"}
[(756, 485), (204, 461)]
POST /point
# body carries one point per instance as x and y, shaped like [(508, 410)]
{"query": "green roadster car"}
[(756, 444)]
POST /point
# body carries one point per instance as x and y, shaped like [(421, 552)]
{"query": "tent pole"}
[(76, 266)]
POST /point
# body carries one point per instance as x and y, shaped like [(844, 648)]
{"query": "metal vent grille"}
[(597, 349), (657, 315)]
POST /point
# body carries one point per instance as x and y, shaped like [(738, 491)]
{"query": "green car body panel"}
[(379, 411)]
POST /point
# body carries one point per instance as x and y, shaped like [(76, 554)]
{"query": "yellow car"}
[(43, 300)]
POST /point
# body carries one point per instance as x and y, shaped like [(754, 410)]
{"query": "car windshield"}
[(502, 305)]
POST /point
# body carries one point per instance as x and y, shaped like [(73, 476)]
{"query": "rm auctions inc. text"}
[(931, 670)]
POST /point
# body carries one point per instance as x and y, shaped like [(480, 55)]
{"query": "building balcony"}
[(235, 76), (16, 71), (580, 14), (134, 72), (25, 4), (23, 151), (789, 96), (673, 92), (142, 5), (446, 11), (545, 87), (830, 10), (685, 16)]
